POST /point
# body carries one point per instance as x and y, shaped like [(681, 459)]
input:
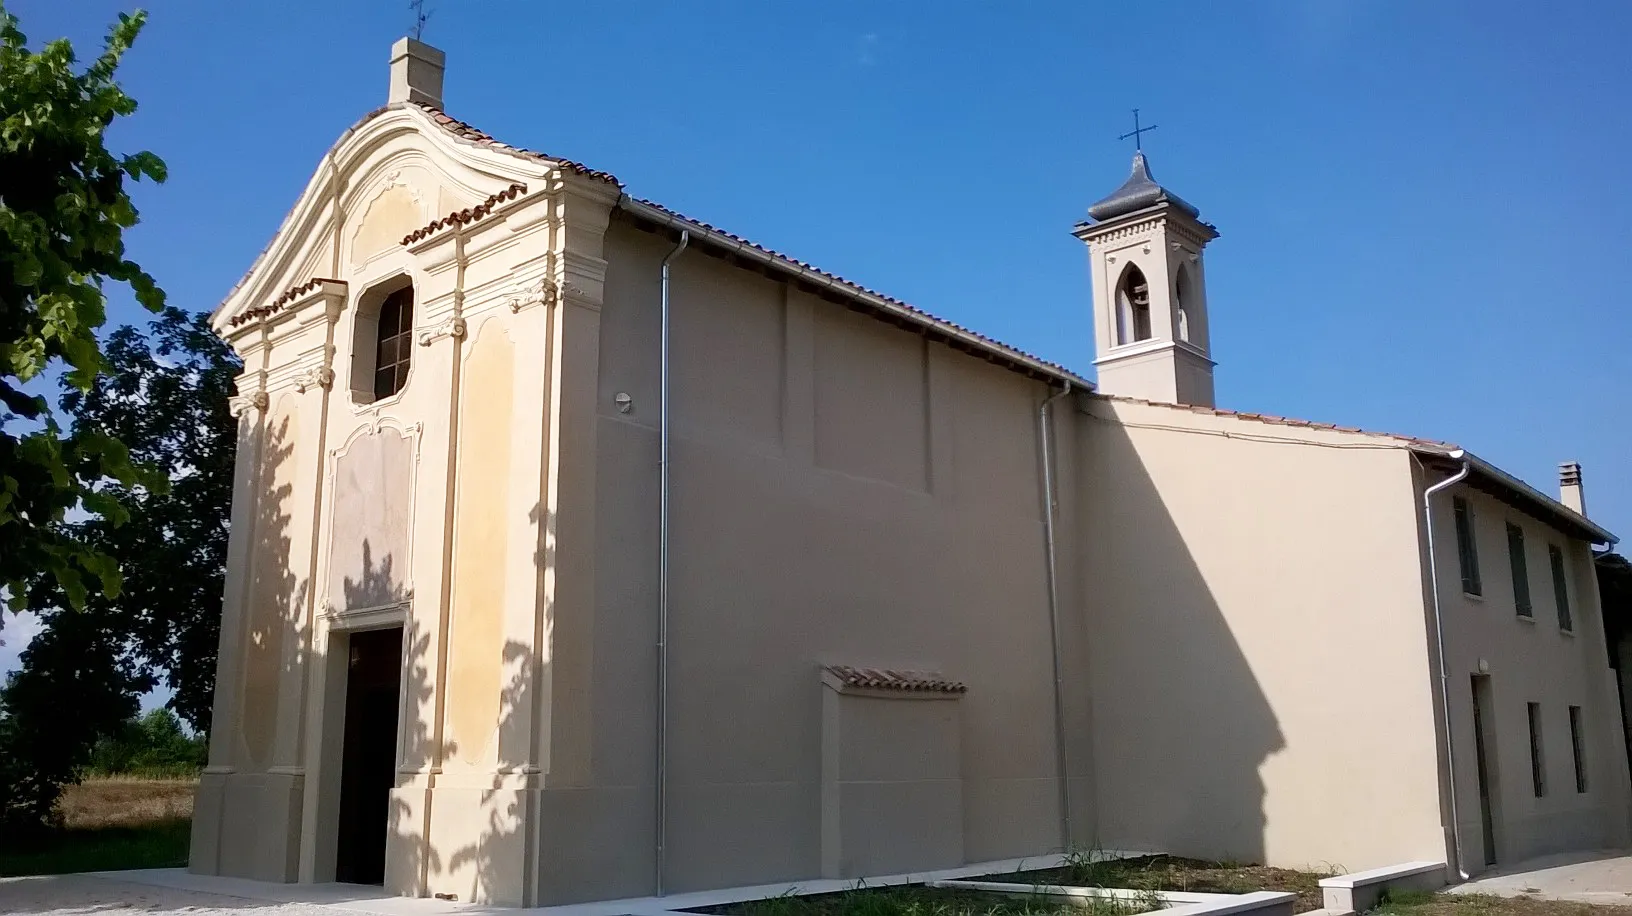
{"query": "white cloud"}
[(14, 638)]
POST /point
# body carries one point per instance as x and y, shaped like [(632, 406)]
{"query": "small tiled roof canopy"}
[(467, 215), (276, 305), (892, 679)]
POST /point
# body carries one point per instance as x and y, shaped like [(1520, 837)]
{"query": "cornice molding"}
[(316, 377), (542, 291), (239, 404), (454, 327)]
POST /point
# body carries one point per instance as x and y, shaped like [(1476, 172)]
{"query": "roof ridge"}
[(855, 287), (482, 138), (1276, 420)]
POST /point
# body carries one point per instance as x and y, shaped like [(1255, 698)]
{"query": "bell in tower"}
[(1150, 303)]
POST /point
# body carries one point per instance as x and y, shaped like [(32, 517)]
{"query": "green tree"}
[(64, 209), (154, 745), (164, 394)]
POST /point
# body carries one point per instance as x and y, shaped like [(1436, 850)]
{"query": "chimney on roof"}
[(416, 73), (1569, 487)]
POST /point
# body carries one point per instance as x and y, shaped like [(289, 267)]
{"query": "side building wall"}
[(845, 492), (1526, 660), (1261, 682)]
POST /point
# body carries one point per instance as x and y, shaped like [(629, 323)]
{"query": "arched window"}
[(394, 345), (382, 340), (1132, 307), (1182, 302)]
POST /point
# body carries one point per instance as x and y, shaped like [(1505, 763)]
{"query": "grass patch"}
[(110, 824), (1173, 873), (156, 845), (1417, 903), (916, 900)]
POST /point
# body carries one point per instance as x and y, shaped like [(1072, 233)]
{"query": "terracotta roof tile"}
[(287, 296), (1273, 420), (926, 317), (467, 215), (480, 138), (452, 126), (892, 679)]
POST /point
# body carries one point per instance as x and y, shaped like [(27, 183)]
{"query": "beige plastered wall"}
[(1530, 660), (1261, 685), (844, 491)]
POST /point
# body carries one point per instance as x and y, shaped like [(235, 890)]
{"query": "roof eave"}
[(1541, 505), (707, 234)]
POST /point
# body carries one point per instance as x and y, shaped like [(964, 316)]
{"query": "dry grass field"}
[(114, 823), (118, 801)]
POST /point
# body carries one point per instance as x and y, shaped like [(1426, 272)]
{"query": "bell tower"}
[(1150, 295)]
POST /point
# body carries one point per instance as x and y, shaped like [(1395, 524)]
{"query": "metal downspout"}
[(663, 575), (1439, 641), (1043, 417)]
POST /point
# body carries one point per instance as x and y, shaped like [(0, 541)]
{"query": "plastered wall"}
[(844, 492), (1261, 682), (1529, 660)]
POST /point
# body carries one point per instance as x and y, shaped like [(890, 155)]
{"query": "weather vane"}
[(1137, 130), (421, 16)]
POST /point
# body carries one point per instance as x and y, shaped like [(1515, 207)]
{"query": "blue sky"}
[(1421, 204)]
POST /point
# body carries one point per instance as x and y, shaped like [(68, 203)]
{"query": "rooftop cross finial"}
[(1137, 130), (421, 16)]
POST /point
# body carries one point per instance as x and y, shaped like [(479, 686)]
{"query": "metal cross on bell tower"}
[(1137, 130), (421, 16)]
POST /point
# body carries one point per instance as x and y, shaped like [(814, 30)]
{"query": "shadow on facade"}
[(467, 838), (1182, 726)]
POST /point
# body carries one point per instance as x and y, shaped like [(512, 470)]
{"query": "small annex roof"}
[(893, 679), (1137, 193), (1485, 475)]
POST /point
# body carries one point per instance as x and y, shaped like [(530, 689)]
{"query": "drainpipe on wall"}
[(663, 572), (1044, 416), (1439, 641)]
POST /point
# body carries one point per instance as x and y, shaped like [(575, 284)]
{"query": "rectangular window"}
[(1538, 772), (1579, 744), (1467, 553), (1561, 591), (1521, 576)]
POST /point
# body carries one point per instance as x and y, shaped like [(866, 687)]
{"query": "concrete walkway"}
[(114, 894), (175, 892), (1603, 877)]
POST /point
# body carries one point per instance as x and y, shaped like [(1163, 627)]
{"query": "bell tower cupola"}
[(1150, 296)]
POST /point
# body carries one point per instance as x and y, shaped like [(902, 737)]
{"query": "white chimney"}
[(416, 73), (1569, 487)]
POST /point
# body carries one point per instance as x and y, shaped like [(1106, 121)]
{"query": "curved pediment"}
[(397, 170)]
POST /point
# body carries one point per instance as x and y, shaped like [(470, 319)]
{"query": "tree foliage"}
[(164, 394), (64, 209), (152, 745)]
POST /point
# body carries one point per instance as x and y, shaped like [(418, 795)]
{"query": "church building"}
[(582, 550)]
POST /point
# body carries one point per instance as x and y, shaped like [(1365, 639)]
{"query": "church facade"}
[(582, 550)]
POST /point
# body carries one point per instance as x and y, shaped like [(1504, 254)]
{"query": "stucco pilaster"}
[(799, 385), (568, 603), (939, 394)]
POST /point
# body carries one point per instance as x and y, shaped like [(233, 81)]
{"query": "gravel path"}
[(90, 895)]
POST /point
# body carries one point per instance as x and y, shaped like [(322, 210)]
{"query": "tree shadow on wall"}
[(378, 586), (263, 631), (467, 839)]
